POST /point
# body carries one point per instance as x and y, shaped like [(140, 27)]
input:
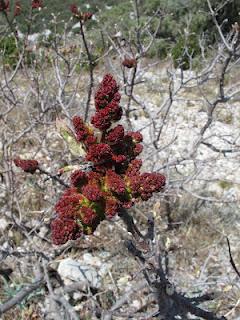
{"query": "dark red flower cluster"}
[(144, 185), (83, 16), (65, 229), (75, 213), (83, 132), (36, 4), (114, 181), (74, 9), (27, 165), (107, 100), (4, 5), (129, 63)]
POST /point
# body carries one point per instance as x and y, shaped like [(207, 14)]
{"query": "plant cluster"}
[(114, 180)]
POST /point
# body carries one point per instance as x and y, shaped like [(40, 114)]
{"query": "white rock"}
[(105, 268), (43, 231), (3, 224), (91, 260), (70, 269)]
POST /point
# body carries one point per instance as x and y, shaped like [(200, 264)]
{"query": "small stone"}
[(70, 269), (3, 224)]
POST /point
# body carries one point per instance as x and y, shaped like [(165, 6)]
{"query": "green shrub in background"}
[(113, 16), (9, 51), (160, 49), (184, 51)]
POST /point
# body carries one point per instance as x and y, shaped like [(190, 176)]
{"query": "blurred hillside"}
[(180, 15)]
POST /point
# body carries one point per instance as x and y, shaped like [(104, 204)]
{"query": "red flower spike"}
[(115, 181), (27, 165), (107, 91), (80, 128), (65, 229)]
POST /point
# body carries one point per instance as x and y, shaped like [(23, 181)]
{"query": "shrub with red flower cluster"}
[(115, 180)]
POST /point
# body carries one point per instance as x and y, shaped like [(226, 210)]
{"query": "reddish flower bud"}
[(119, 158), (65, 229), (18, 9), (136, 136), (80, 128), (90, 140), (27, 165), (138, 149), (107, 91), (94, 177), (74, 9), (36, 4), (102, 119), (151, 182), (129, 63)]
